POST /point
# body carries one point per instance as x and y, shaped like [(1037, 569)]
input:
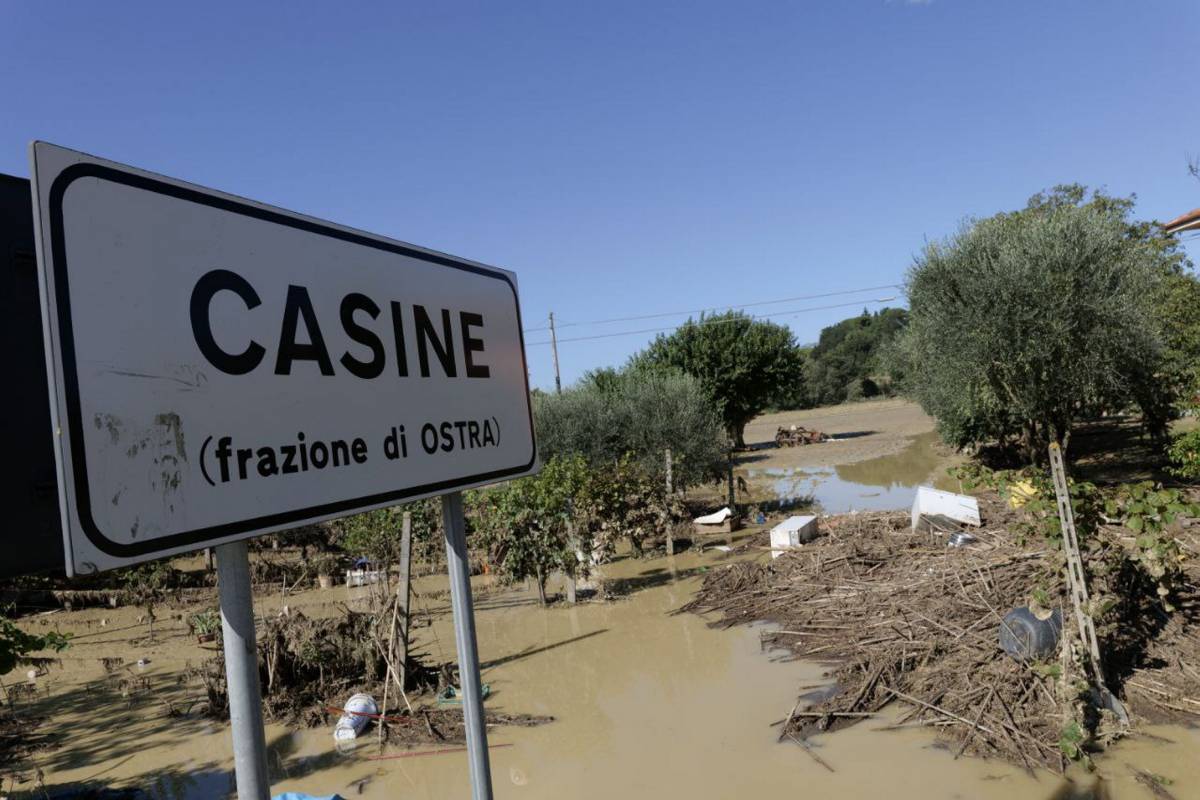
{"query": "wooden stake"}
[(670, 492)]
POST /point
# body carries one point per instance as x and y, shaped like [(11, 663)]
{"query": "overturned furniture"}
[(796, 435), (364, 573), (723, 521), (936, 511), (792, 532)]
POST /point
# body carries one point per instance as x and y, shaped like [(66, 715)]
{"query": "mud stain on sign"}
[(174, 427), (155, 454)]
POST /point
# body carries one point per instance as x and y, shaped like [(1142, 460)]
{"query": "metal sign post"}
[(241, 672), (464, 639)]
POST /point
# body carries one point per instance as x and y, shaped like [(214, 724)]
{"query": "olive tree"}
[(638, 413), (1023, 323)]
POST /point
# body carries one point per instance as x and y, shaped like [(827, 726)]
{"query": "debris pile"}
[(794, 436), (903, 617), (429, 725), (306, 665)]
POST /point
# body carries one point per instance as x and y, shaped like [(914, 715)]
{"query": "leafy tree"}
[(527, 524), (1185, 455), (149, 584), (745, 364), (844, 363), (1178, 311), (1025, 322), (626, 501), (377, 534), (639, 412), (16, 644), (535, 526)]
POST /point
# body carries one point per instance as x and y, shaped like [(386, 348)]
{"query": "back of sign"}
[(32, 539)]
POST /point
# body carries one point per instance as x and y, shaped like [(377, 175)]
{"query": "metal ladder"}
[(1078, 586)]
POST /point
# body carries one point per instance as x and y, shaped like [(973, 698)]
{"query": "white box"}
[(958, 507), (792, 532)]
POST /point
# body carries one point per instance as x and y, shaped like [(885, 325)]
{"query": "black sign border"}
[(70, 378)]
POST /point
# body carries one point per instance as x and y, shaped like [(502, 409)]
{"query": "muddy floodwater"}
[(882, 483), (647, 704)]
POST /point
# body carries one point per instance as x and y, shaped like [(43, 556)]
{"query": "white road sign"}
[(220, 368)]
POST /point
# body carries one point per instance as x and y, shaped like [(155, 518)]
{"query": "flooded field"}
[(880, 453), (647, 703), (875, 484)]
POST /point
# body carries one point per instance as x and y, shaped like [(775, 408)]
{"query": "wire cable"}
[(714, 322), (638, 317)]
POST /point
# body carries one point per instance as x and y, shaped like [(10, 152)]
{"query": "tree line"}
[(1019, 327), (1028, 322)]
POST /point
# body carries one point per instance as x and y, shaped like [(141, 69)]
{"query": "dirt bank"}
[(862, 430), (880, 452)]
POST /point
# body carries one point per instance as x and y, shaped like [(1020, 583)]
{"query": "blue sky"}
[(627, 158)]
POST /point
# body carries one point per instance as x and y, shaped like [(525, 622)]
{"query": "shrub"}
[(1185, 455), (637, 413)]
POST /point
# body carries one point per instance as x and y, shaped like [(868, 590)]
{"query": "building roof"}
[(1184, 222)]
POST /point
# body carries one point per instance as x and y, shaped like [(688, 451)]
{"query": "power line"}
[(713, 322), (562, 325)]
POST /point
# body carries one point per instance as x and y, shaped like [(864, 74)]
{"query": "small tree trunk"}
[(541, 586), (1030, 443), (729, 475), (739, 435)]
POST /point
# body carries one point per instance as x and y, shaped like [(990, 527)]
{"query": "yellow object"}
[(1021, 493)]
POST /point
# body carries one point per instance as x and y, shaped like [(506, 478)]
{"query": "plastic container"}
[(1025, 637), (359, 709)]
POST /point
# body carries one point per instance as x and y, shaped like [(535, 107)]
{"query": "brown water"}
[(648, 704), (883, 483)]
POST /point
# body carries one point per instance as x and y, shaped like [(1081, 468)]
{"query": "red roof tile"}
[(1184, 221)]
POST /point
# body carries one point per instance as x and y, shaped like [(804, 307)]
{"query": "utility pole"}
[(554, 349)]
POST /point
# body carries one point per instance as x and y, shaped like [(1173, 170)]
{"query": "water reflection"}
[(876, 484)]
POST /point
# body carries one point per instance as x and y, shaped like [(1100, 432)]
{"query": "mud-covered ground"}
[(880, 452), (869, 429), (646, 702)]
